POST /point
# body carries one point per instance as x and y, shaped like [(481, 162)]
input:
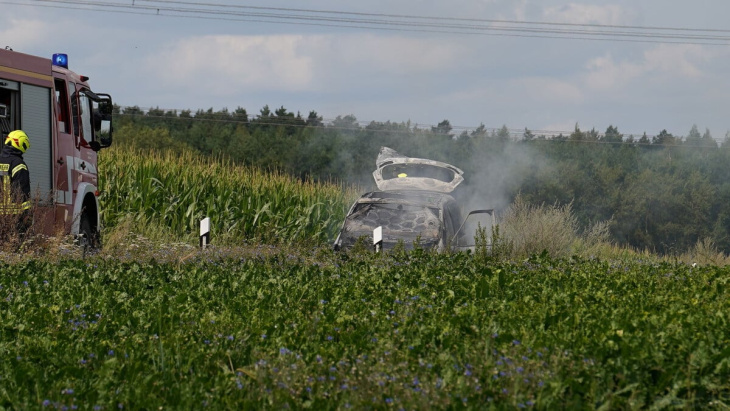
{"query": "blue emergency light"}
[(61, 60)]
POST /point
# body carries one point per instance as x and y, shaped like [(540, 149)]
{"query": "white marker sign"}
[(378, 238), (204, 232)]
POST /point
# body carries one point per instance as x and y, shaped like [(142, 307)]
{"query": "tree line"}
[(662, 193)]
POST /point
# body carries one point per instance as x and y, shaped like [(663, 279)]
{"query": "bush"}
[(532, 229), (705, 252), (527, 229)]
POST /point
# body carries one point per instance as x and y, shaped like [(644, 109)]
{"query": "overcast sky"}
[(398, 75)]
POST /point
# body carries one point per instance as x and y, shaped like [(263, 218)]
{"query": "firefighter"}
[(15, 181)]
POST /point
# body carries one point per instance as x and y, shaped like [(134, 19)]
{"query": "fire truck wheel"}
[(89, 236)]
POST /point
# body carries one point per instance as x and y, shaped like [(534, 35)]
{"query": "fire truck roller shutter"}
[(35, 120)]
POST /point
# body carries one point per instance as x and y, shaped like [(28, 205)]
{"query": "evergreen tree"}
[(664, 138), (527, 135), (707, 140), (479, 132), (443, 128), (503, 135), (313, 120), (612, 135)]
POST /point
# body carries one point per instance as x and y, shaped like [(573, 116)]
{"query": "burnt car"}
[(413, 206)]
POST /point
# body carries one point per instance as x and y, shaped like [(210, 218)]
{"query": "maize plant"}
[(177, 190)]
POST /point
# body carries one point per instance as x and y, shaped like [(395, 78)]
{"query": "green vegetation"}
[(662, 193), (166, 194), (267, 329), (548, 312)]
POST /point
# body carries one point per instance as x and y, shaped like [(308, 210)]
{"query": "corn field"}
[(175, 191)]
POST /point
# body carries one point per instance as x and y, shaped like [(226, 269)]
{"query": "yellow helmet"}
[(19, 140)]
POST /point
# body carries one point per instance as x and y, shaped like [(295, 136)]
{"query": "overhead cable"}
[(396, 22)]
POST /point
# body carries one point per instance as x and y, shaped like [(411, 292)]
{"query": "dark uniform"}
[(14, 187)]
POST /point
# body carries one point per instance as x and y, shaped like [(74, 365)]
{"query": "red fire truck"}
[(67, 125)]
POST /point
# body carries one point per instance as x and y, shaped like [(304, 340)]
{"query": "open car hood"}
[(398, 172)]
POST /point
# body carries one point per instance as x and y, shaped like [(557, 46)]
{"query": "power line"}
[(439, 18), (390, 22), (411, 23)]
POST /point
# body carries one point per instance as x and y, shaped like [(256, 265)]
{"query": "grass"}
[(527, 229)]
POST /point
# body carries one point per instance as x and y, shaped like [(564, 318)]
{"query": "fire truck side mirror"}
[(103, 122)]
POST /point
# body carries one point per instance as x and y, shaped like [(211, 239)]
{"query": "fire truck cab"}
[(67, 124)]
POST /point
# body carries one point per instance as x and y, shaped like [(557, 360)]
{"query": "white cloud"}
[(518, 92), (225, 64), (520, 10), (605, 74), (610, 14), (663, 63), (23, 34), (677, 60), (517, 102), (396, 55), (228, 64), (550, 90)]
